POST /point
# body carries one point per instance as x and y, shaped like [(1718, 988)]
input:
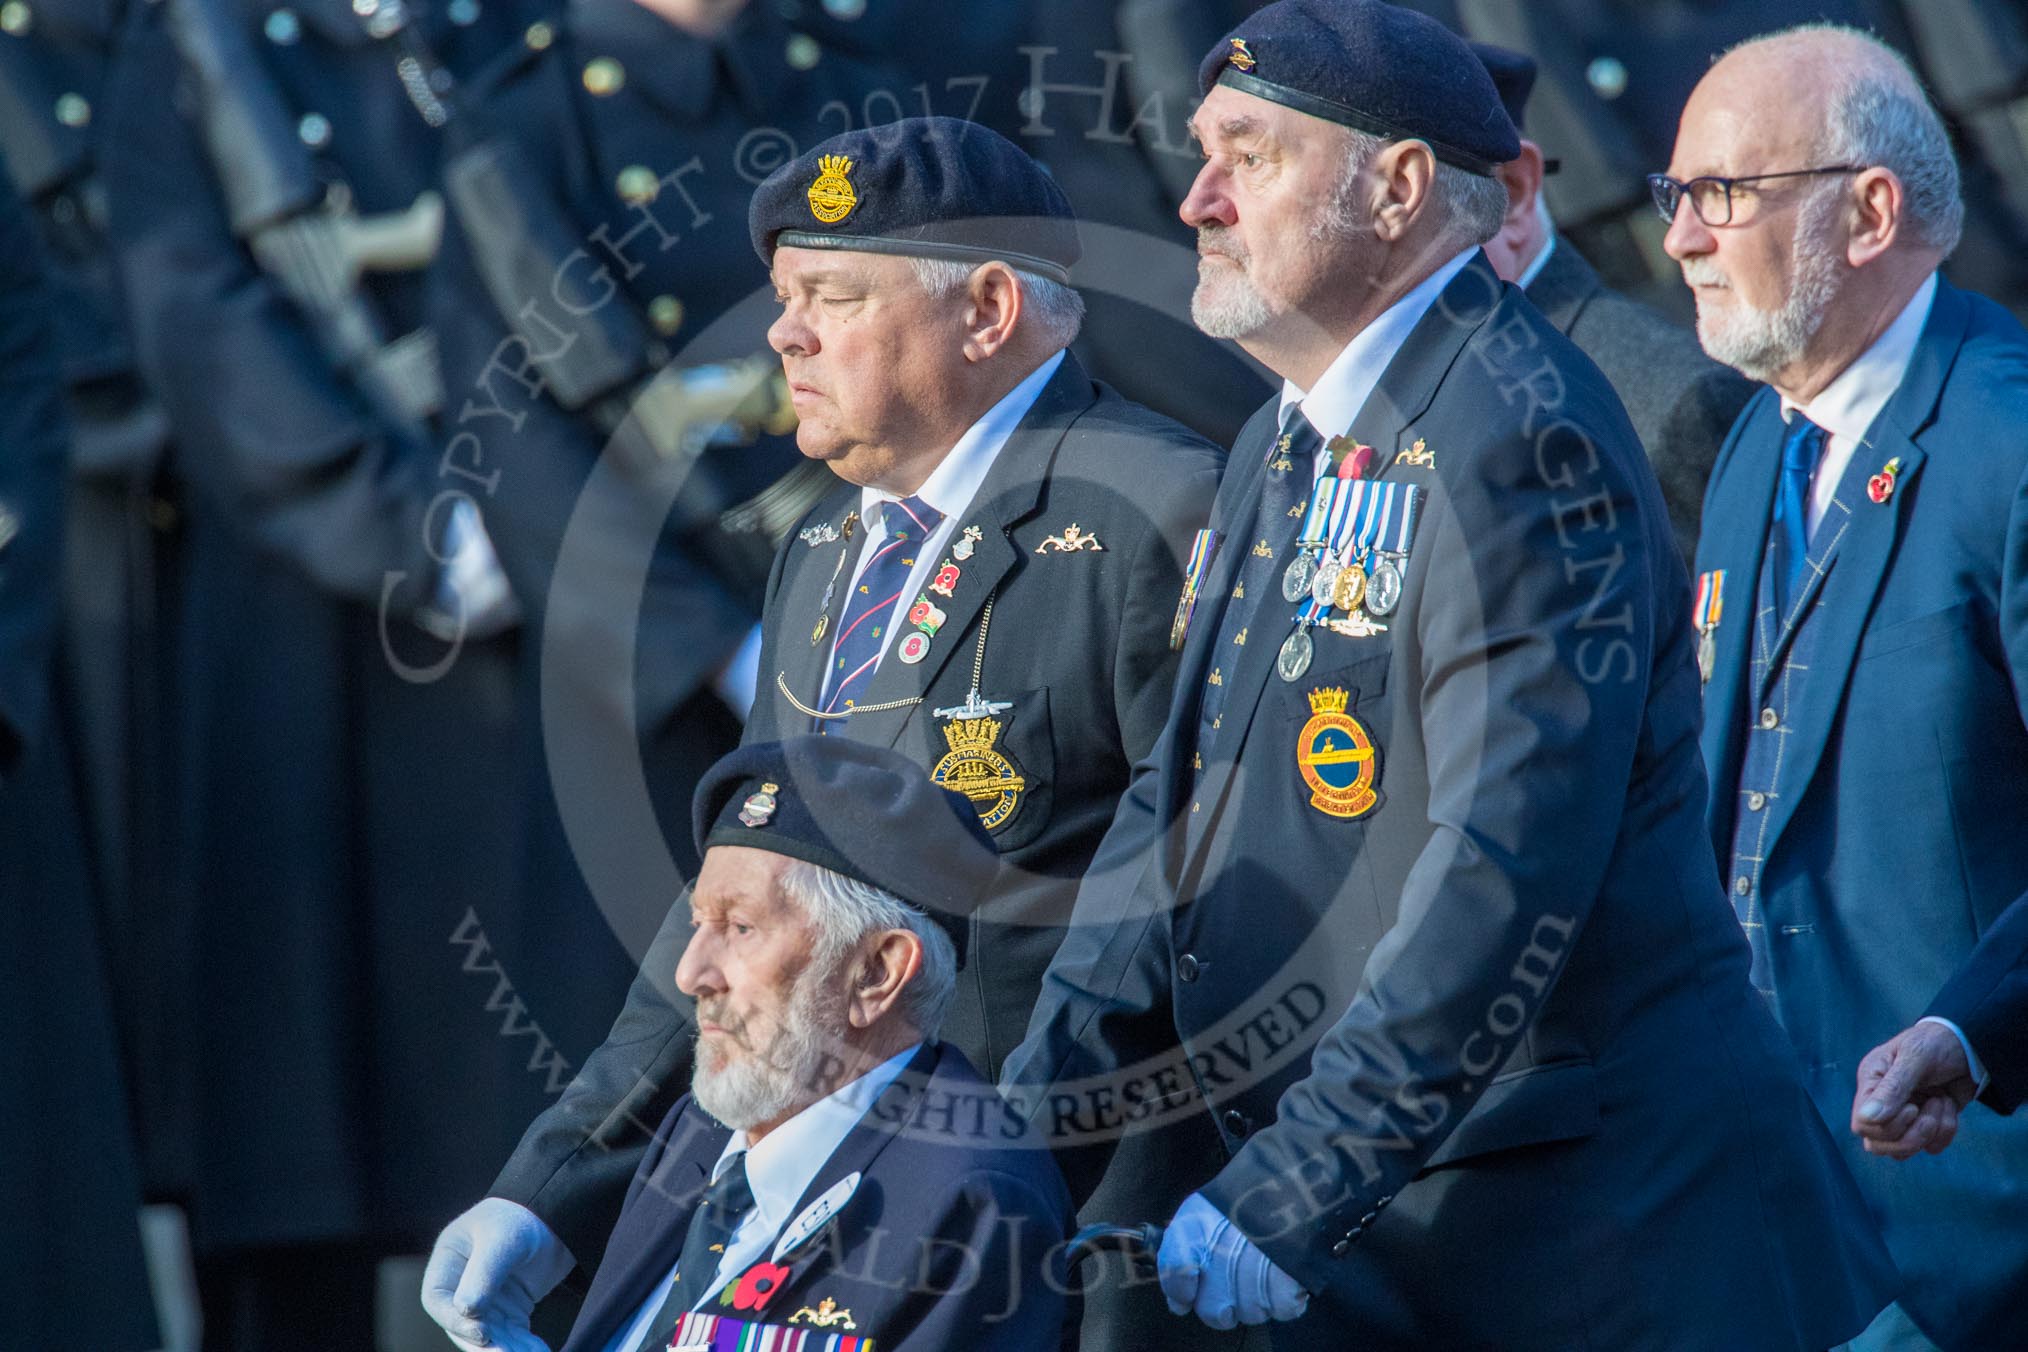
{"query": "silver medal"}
[(1294, 658), (1383, 588), (1296, 581), (1707, 654), (1325, 582)]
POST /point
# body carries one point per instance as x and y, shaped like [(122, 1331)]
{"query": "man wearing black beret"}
[(1436, 916), (834, 1168), (991, 591)]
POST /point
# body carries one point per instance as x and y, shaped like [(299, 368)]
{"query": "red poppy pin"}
[(1353, 459), (1881, 486), (756, 1287)]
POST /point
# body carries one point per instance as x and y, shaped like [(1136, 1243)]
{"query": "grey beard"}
[(1230, 307), (1760, 343), (770, 1082)]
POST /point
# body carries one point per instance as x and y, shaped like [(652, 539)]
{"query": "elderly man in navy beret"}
[(834, 1168), (989, 590), (1436, 917)]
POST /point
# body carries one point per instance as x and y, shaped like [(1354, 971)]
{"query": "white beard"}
[(768, 1083), (1226, 303), (1759, 343)]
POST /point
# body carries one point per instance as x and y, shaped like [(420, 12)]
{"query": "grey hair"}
[(843, 911), (1473, 206), (1056, 310), (1879, 115)]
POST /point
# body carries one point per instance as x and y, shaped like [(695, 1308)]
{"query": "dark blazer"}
[(1894, 840), (1681, 403), (1450, 1043), (952, 1238), (1078, 645), (1988, 1000)]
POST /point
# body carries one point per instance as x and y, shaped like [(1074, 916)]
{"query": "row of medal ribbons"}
[(1349, 559)]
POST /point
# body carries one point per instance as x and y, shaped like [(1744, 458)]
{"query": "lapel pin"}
[(1073, 540), (815, 1216), (946, 580), (828, 1314), (1418, 455), (962, 550), (1881, 486)]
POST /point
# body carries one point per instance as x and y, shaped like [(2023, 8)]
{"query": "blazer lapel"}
[(1402, 395), (1006, 498), (855, 1154), (1564, 287), (656, 1224), (1868, 546), (1735, 528), (801, 646)]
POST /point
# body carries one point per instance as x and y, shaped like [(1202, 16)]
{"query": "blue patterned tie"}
[(1800, 451), (1256, 600), (863, 632), (712, 1227)]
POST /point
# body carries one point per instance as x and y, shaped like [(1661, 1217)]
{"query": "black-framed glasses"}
[(1711, 198)]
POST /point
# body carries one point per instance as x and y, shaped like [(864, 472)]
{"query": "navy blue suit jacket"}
[(1495, 1031), (1896, 834), (952, 1238), (1988, 1001)]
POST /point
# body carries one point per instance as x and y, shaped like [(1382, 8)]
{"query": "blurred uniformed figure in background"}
[(1680, 402), (69, 1191), (1616, 74), (345, 794), (119, 536), (597, 297)]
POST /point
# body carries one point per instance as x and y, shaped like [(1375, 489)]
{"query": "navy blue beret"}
[(923, 187), (865, 811), (1375, 67), (1513, 75)]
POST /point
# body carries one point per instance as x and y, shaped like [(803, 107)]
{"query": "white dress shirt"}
[(950, 489), (1534, 269), (1343, 389), (779, 1170), (1848, 405)]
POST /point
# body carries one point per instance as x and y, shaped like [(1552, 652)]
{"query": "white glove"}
[(1208, 1267), (485, 1274)]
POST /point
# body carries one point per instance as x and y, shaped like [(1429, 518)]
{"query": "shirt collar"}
[(780, 1169), (1848, 405), (955, 481), (1343, 388), (1541, 261)]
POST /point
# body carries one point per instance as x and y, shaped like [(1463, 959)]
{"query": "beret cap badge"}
[(759, 807), (831, 195), (1241, 58)]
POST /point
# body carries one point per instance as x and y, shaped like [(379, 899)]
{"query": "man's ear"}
[(1406, 174), (1876, 211), (994, 307), (887, 963)]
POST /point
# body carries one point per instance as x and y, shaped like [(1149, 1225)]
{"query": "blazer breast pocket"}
[(1919, 631), (1341, 765), (1004, 763)]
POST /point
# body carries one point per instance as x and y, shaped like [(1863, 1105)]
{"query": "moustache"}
[(1704, 272), (1209, 241)]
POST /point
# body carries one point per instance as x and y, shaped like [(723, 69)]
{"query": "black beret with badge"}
[(1374, 67), (865, 811), (923, 187)]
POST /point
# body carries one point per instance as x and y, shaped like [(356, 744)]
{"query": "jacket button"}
[(1341, 1248), (603, 77), (1769, 719), (1742, 885), (1186, 967), (1236, 1123), (1755, 802)]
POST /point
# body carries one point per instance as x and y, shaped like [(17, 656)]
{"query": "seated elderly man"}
[(835, 1175)]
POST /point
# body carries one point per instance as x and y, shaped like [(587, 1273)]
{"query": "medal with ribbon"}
[(1705, 615), (1202, 550), (1360, 576)]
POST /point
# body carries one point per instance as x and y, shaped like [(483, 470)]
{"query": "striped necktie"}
[(863, 632), (712, 1226)]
